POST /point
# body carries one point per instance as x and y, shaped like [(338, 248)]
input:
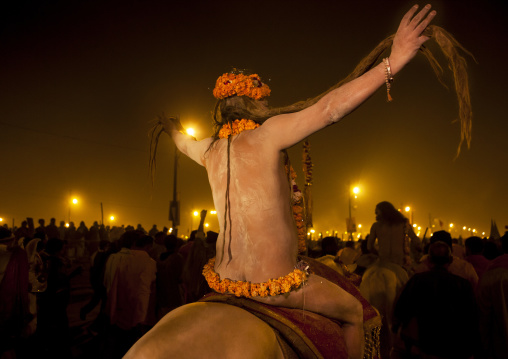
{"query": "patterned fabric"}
[(306, 334)]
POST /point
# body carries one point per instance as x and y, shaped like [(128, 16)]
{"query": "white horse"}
[(381, 284)]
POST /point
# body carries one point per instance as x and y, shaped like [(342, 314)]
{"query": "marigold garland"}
[(247, 289), (297, 208), (307, 163), (229, 85), (237, 127)]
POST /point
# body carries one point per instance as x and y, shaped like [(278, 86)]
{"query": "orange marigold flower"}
[(240, 85), (237, 127), (247, 289), (297, 209)]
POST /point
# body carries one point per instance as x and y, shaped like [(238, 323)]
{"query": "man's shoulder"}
[(461, 263)]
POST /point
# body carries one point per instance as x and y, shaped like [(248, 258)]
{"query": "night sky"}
[(81, 81)]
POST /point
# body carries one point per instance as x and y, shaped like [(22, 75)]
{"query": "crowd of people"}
[(442, 297), (137, 277), (450, 301)]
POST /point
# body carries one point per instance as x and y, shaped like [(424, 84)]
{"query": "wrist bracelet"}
[(388, 78)]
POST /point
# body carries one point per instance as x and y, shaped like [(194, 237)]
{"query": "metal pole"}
[(175, 173), (349, 226)]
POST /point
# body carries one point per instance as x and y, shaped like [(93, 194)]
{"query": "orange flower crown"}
[(229, 85)]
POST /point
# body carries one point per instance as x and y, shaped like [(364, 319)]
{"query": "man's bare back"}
[(263, 242)]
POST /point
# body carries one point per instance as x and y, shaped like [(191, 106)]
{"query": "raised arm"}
[(288, 129), (184, 142)]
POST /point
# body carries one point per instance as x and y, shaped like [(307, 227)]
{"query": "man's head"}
[(440, 254), (128, 238), (171, 243), (474, 245), (159, 238), (144, 243), (329, 246), (442, 236), (387, 213), (240, 96), (211, 237)]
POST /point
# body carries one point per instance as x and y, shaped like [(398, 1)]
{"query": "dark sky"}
[(80, 82)]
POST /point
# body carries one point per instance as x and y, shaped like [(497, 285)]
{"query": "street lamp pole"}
[(350, 219), (351, 228), (174, 208)]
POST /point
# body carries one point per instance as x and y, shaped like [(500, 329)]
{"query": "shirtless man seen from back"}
[(260, 241)]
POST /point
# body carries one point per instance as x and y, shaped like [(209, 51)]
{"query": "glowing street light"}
[(191, 131), (410, 211), (73, 201)]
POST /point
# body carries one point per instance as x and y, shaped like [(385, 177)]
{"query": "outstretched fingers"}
[(415, 21), (423, 25), (406, 20)]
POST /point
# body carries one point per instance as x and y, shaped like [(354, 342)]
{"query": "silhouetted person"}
[(457, 266), (169, 271), (329, 250), (98, 261), (492, 294), (474, 255), (153, 231), (52, 321), (390, 230), (131, 297), (41, 228), (52, 229), (81, 235), (437, 310), (23, 231), (158, 245), (14, 286), (62, 230)]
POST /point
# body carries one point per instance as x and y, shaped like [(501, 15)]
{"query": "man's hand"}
[(409, 38), (170, 123)]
